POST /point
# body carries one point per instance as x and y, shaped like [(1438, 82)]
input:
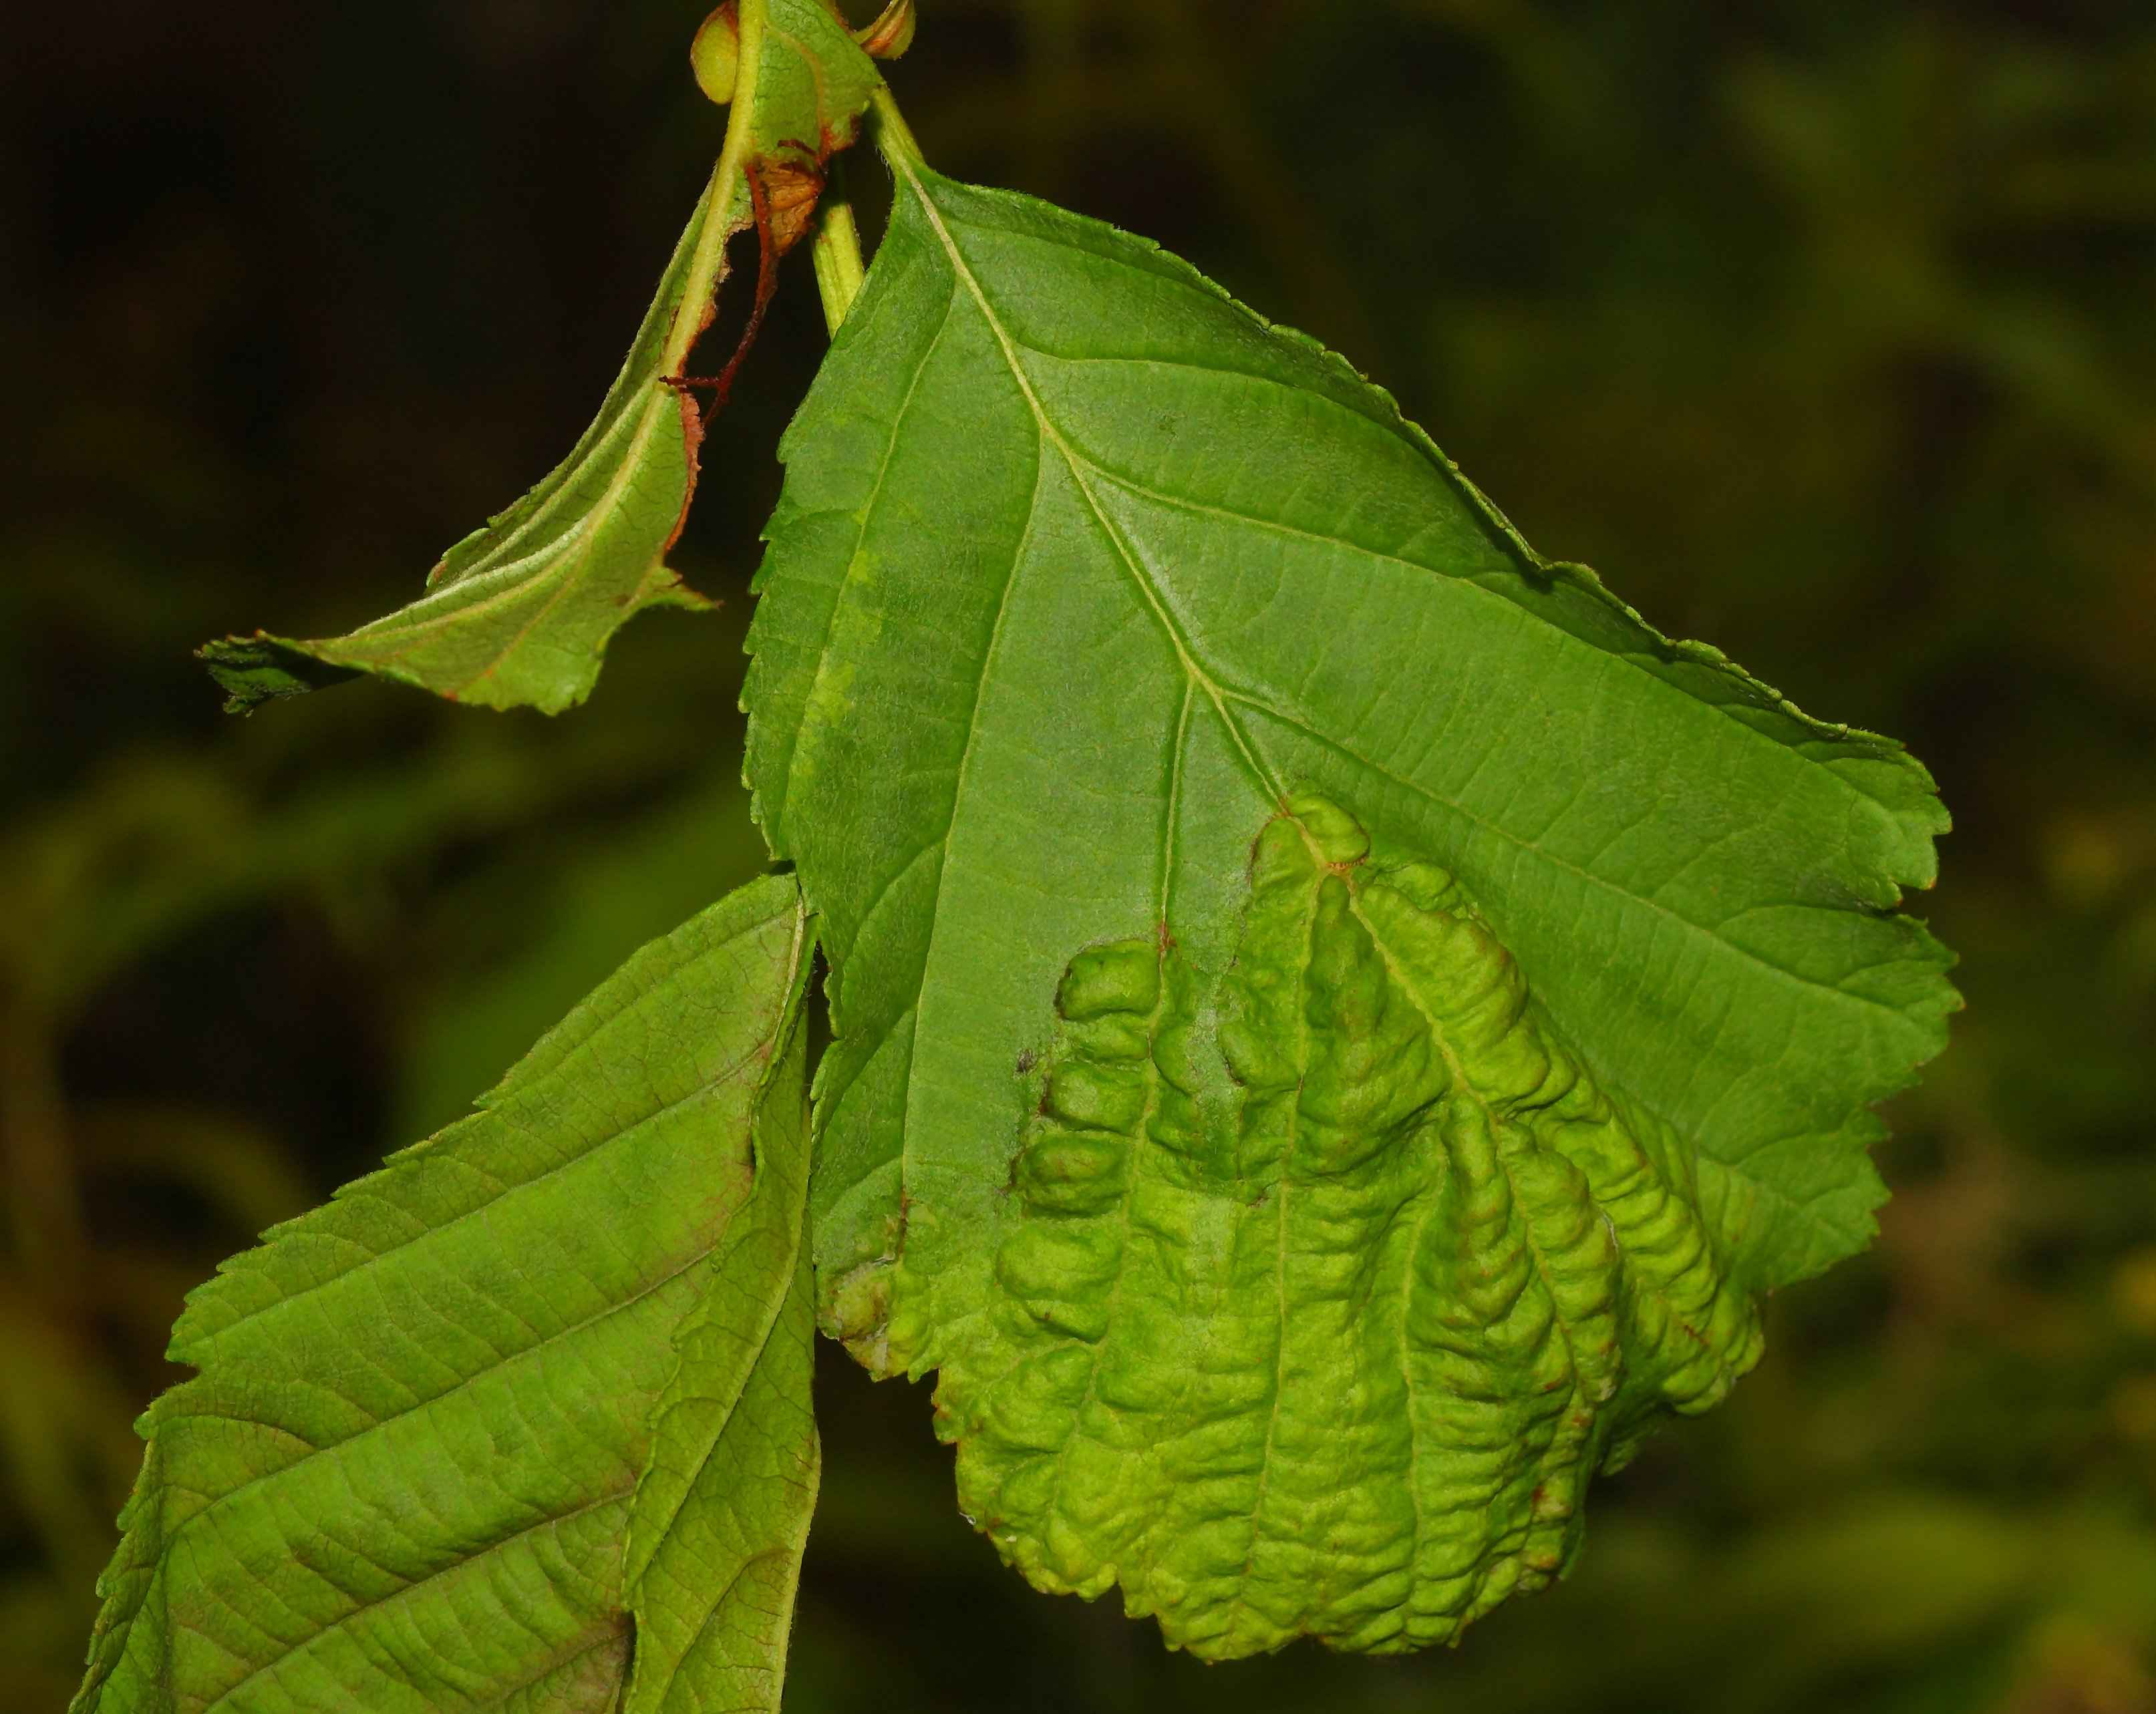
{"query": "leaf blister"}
[(1334, 1358)]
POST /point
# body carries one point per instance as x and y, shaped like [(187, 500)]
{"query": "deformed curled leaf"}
[(1083, 574), (523, 1417), (519, 612), (891, 33), (1315, 1310)]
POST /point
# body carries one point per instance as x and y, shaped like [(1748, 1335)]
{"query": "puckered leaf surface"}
[(1337, 1020), (520, 612), (526, 1406)]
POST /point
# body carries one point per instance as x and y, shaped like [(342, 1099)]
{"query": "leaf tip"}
[(253, 670)]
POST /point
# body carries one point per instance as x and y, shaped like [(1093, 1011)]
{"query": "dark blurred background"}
[(1822, 329)]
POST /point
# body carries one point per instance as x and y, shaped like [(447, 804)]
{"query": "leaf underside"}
[(1397, 1192), (519, 613), (527, 1405)]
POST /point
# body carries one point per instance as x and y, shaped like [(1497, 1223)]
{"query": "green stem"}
[(894, 140), (839, 270), (728, 195)]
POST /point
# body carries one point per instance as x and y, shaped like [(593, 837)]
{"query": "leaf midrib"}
[(1185, 652), (1219, 693), (1750, 692)]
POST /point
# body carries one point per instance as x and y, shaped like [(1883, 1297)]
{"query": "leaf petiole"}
[(839, 270), (894, 137)]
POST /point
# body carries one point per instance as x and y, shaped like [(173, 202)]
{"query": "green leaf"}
[(520, 612), (527, 1404), (1297, 1284)]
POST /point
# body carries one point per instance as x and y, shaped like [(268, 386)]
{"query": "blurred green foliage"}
[(1821, 329)]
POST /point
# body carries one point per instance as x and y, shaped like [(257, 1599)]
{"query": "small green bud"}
[(715, 55)]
